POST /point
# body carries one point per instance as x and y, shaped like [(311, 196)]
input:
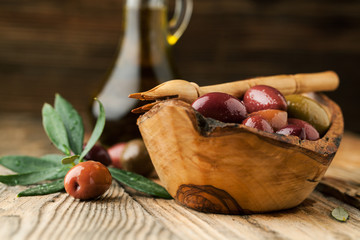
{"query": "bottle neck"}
[(145, 3), (145, 31)]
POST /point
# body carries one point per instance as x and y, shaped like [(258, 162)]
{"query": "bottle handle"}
[(179, 22)]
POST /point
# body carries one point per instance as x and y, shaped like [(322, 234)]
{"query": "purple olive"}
[(263, 97), (293, 130), (99, 154), (258, 122), (310, 132), (220, 106)]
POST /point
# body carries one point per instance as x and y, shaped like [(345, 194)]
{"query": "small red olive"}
[(310, 132), (115, 153), (293, 130), (276, 118), (262, 97), (220, 106), (87, 180), (98, 153), (258, 122)]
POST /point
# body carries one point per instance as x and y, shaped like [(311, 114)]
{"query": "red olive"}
[(87, 180), (135, 158), (100, 154), (310, 132), (258, 122), (115, 153), (293, 130), (276, 118), (220, 106), (263, 97)]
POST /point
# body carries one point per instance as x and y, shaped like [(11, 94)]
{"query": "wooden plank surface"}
[(125, 214), (58, 216)]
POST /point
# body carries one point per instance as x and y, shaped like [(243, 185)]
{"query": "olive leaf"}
[(99, 127), (139, 183), (340, 214), (72, 122), (34, 177), (55, 128), (43, 189), (65, 129), (55, 158), (61, 172), (26, 164)]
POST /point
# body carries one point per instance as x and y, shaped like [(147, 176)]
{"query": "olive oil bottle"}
[(143, 61)]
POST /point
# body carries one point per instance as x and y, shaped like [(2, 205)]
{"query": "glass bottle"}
[(143, 61)]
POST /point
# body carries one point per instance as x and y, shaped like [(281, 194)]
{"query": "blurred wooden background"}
[(67, 46)]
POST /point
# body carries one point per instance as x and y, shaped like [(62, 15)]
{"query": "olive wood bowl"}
[(218, 167)]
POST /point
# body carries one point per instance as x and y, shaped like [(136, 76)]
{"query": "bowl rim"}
[(322, 150)]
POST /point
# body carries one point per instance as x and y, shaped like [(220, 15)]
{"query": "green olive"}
[(135, 158), (308, 110)]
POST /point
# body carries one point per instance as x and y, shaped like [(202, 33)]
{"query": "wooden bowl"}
[(215, 167)]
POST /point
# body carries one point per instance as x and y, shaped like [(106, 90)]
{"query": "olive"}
[(309, 110), (135, 158), (263, 97), (220, 106), (115, 153), (310, 132), (276, 118), (293, 130), (87, 180), (100, 154), (258, 122)]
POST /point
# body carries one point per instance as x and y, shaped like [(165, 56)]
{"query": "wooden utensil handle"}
[(286, 84)]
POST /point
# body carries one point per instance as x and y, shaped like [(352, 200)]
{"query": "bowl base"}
[(209, 199)]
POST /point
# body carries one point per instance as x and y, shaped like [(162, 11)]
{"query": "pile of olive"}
[(90, 179), (265, 108), (131, 156)]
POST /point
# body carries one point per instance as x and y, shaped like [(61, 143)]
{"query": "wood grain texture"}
[(58, 216), (342, 180), (311, 220), (127, 214)]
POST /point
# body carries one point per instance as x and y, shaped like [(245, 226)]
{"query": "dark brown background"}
[(67, 46)]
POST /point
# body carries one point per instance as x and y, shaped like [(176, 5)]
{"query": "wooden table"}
[(125, 214)]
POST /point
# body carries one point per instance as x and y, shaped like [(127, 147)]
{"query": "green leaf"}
[(73, 123), (340, 214), (139, 183), (61, 172), (43, 189), (55, 128), (34, 177), (26, 164), (69, 159), (55, 158), (99, 127)]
